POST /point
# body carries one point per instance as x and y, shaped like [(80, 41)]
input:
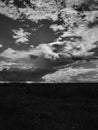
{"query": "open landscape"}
[(51, 107)]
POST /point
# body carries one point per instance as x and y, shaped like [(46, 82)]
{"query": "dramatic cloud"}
[(78, 35)]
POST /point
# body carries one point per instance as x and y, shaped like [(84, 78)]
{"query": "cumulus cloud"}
[(21, 36)]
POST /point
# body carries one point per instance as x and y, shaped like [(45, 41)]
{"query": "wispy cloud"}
[(67, 74)]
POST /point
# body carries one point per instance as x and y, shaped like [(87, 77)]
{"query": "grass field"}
[(48, 107)]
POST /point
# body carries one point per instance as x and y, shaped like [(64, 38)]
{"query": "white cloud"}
[(43, 50), (43, 10), (49, 10), (9, 11), (56, 27), (18, 65), (10, 58), (89, 36), (13, 54), (67, 74), (1, 45), (21, 36), (22, 59)]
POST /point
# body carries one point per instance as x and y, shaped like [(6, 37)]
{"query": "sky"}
[(37, 32)]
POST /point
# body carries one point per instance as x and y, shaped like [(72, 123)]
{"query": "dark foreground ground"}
[(51, 107)]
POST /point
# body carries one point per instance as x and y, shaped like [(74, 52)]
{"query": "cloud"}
[(1, 45), (9, 11), (21, 36), (34, 57), (72, 47), (77, 40), (42, 10), (70, 74), (47, 51), (81, 47), (16, 65), (11, 58), (56, 27)]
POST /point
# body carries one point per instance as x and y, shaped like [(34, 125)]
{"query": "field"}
[(48, 107)]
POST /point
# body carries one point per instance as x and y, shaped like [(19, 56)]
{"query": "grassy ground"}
[(41, 107)]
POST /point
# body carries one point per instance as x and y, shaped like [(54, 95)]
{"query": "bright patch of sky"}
[(1, 45)]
